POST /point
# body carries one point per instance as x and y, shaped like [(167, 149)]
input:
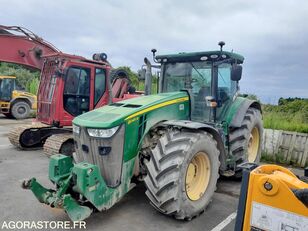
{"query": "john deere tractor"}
[(177, 142)]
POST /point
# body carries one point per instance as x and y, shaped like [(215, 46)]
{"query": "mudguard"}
[(238, 110), (205, 127)]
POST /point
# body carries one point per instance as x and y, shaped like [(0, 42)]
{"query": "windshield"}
[(197, 77), (189, 75), (6, 88)]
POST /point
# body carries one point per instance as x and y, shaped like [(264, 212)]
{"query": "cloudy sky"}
[(271, 34)]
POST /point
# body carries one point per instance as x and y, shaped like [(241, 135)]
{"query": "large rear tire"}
[(246, 141), (182, 173), (20, 110)]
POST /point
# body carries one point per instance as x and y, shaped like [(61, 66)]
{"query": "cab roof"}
[(7, 77), (199, 56)]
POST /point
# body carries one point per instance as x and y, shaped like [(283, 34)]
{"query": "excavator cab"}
[(70, 86)]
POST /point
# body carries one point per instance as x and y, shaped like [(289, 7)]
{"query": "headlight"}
[(102, 133), (76, 129)]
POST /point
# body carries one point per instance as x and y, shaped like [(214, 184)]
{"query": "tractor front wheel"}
[(20, 110), (182, 173)]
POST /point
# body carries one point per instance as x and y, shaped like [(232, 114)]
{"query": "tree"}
[(25, 78)]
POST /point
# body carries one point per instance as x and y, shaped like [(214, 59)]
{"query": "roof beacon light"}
[(221, 44)]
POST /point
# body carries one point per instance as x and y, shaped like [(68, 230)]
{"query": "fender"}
[(26, 99), (238, 110), (204, 127)]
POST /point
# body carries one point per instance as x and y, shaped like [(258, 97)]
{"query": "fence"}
[(286, 147)]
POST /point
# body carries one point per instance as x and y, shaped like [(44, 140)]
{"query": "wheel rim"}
[(21, 110), (253, 144), (197, 176)]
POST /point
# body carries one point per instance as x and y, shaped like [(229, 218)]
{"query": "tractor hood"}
[(117, 113)]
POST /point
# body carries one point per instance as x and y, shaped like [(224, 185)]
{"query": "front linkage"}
[(80, 187)]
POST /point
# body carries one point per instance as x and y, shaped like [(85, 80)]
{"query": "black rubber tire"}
[(166, 172), (17, 106), (8, 115), (68, 148), (239, 137), (119, 73)]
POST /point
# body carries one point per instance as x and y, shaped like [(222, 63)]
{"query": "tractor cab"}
[(211, 79)]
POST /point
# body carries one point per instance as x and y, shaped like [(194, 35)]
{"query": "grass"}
[(282, 121), (290, 114)]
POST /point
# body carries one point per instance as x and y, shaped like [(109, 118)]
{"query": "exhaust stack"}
[(148, 77)]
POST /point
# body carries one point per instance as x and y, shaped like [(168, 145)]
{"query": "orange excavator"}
[(69, 86)]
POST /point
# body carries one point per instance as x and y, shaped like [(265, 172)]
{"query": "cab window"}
[(99, 84), (76, 96)]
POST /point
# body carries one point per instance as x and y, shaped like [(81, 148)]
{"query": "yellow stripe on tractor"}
[(174, 101)]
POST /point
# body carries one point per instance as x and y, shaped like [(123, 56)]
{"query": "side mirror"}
[(236, 72), (141, 74)]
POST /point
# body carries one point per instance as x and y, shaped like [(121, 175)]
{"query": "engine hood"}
[(117, 113)]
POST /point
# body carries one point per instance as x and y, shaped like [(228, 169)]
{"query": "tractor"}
[(14, 101), (178, 142)]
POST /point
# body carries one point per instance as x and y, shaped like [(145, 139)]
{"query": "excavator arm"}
[(21, 46)]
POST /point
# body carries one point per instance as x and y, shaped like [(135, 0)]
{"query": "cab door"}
[(76, 94)]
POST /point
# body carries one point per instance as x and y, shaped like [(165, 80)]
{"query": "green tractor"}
[(177, 142)]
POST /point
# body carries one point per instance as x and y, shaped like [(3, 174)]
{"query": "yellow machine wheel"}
[(253, 144), (197, 176)]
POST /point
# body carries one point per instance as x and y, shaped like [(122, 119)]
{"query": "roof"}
[(197, 56), (75, 58), (7, 77)]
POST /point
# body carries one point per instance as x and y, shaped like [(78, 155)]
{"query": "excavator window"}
[(76, 96), (99, 85)]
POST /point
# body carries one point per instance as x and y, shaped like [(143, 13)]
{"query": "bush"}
[(290, 115), (25, 78), (32, 86)]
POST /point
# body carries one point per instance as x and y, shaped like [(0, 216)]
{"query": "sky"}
[(271, 34)]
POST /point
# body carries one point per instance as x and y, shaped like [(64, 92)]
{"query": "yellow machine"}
[(272, 198), (15, 103)]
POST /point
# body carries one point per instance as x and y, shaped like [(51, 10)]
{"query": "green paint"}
[(59, 167), (236, 104), (115, 114)]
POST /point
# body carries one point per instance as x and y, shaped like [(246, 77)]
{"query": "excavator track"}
[(59, 144), (16, 133)]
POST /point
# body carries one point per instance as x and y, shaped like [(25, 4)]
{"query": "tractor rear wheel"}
[(246, 141), (20, 110), (182, 173)]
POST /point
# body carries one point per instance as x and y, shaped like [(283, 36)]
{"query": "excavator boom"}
[(21, 46)]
